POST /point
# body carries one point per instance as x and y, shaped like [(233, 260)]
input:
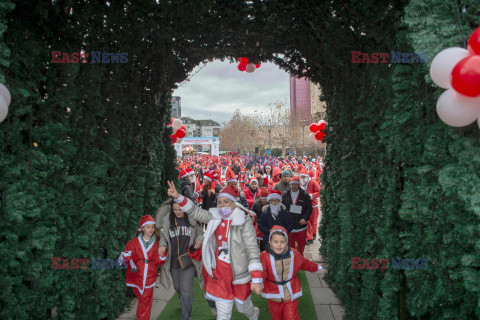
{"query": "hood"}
[(276, 171)]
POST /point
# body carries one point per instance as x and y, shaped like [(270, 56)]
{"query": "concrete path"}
[(327, 305)]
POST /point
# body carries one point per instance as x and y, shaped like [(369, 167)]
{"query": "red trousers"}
[(300, 238), (312, 224), (144, 306), (287, 310)]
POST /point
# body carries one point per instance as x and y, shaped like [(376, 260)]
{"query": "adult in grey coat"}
[(182, 279)]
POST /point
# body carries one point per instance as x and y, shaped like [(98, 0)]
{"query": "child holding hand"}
[(280, 267), (142, 257)]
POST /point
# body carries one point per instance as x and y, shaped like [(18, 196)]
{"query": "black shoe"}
[(309, 241), (314, 236)]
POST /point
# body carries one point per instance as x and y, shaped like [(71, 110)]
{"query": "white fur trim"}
[(299, 230), (148, 222), (163, 258), (255, 266), (242, 302), (257, 280), (274, 196), (277, 230), (247, 279), (229, 196), (212, 297)]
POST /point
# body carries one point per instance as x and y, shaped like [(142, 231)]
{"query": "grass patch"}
[(201, 310)]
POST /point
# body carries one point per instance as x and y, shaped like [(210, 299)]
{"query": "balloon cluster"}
[(244, 65), (179, 130), (5, 99), (318, 133), (458, 70)]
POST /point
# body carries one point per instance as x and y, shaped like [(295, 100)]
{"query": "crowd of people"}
[(239, 224)]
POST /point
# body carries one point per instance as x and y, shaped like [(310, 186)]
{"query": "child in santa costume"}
[(142, 257), (280, 267), (230, 252)]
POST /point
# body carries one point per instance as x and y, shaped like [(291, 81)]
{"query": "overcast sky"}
[(219, 88)]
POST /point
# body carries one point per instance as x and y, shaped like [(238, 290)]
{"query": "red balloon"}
[(322, 126), (258, 65), (180, 133), (320, 135), (474, 42), (466, 76), (242, 67), (244, 60), (172, 136), (314, 127), (183, 128)]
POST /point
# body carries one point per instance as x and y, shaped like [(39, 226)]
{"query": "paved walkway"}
[(327, 305)]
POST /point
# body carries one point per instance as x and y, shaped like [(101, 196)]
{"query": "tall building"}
[(176, 107), (305, 100)]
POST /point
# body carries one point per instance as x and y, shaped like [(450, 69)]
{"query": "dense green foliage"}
[(85, 150)]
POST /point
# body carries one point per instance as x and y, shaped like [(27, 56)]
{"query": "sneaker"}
[(214, 312), (309, 241)]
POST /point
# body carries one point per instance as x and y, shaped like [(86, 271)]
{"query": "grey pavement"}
[(327, 305)]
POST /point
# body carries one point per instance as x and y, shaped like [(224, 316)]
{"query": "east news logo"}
[(96, 57), (396, 263)]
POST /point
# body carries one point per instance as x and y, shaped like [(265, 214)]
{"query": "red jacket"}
[(134, 256), (250, 196), (313, 189), (297, 263)]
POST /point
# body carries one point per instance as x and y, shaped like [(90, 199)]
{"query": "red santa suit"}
[(249, 195), (281, 285), (146, 261), (242, 178), (198, 188), (313, 189)]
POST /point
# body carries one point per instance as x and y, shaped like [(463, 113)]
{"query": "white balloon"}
[(3, 109), (176, 124), (321, 121), (457, 110), (443, 64), (250, 68), (312, 138), (5, 94)]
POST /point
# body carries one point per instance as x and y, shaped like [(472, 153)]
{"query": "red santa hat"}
[(146, 219), (183, 174), (230, 192), (208, 176), (278, 229), (294, 179), (189, 171), (263, 193), (303, 172), (275, 194), (252, 180)]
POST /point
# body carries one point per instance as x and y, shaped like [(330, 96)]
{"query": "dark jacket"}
[(267, 221), (187, 190), (257, 207), (210, 200), (304, 201), (242, 200)]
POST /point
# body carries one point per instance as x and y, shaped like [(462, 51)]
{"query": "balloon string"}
[(461, 26)]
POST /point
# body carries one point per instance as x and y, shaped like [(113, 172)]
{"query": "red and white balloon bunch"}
[(5, 100), (318, 133), (179, 130), (458, 70), (244, 65)]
